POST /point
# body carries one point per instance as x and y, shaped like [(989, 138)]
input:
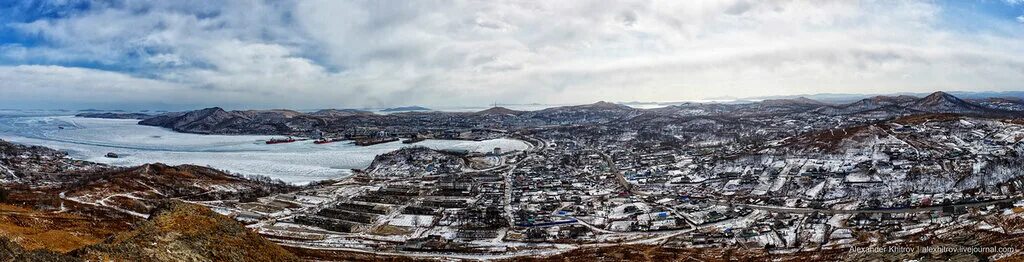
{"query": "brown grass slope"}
[(53, 231), (185, 232)]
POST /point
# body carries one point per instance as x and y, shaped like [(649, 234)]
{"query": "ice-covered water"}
[(300, 162)]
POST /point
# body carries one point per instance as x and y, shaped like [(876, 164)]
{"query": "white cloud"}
[(349, 53), (58, 83)]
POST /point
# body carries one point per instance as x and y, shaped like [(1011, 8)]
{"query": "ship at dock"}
[(327, 140), (281, 140), (413, 140), (374, 141)]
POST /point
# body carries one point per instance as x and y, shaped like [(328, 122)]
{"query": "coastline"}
[(297, 163)]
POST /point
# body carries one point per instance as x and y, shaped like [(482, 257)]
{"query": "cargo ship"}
[(281, 140), (413, 140), (327, 140), (374, 141)]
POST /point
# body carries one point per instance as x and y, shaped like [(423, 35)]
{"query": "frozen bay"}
[(300, 162)]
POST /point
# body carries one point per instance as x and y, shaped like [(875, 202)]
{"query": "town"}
[(792, 182), (793, 178)]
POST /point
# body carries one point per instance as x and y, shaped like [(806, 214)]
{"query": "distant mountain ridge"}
[(216, 120), (405, 108), (842, 98), (340, 112), (109, 115), (798, 100), (938, 102), (499, 111), (942, 102)]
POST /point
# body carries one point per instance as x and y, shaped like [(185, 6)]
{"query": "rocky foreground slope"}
[(178, 232), (53, 208), (175, 232)]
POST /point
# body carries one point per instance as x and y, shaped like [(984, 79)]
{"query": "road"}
[(507, 176), (619, 177)]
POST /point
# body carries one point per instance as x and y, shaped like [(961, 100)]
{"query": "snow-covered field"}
[(300, 162)]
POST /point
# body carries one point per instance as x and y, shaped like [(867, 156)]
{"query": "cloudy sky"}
[(349, 54)]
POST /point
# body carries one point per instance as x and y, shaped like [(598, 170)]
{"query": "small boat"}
[(280, 141)]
